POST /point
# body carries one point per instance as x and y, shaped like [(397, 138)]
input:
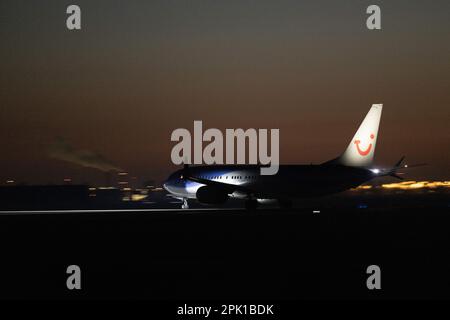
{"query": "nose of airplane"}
[(170, 185), (173, 183)]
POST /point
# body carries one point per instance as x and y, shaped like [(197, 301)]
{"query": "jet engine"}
[(211, 195)]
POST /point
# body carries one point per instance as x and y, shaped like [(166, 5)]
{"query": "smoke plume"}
[(61, 150)]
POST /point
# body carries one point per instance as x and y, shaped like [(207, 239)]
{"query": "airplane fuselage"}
[(291, 181)]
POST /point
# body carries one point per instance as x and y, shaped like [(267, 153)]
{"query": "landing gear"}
[(185, 204), (251, 204)]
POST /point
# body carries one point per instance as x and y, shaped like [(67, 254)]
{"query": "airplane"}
[(215, 184)]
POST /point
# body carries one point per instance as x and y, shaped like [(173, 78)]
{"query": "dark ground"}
[(266, 255)]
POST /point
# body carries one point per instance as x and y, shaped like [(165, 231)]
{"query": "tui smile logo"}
[(364, 152)]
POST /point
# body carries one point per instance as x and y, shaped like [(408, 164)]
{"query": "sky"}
[(137, 70)]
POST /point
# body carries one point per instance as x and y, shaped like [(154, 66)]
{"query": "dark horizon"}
[(134, 73)]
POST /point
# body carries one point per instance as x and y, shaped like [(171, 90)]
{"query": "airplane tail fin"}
[(361, 149)]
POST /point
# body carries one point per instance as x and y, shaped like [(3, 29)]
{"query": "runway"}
[(226, 254), (83, 211)]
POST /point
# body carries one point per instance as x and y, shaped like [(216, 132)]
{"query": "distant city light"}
[(138, 197), (408, 185)]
